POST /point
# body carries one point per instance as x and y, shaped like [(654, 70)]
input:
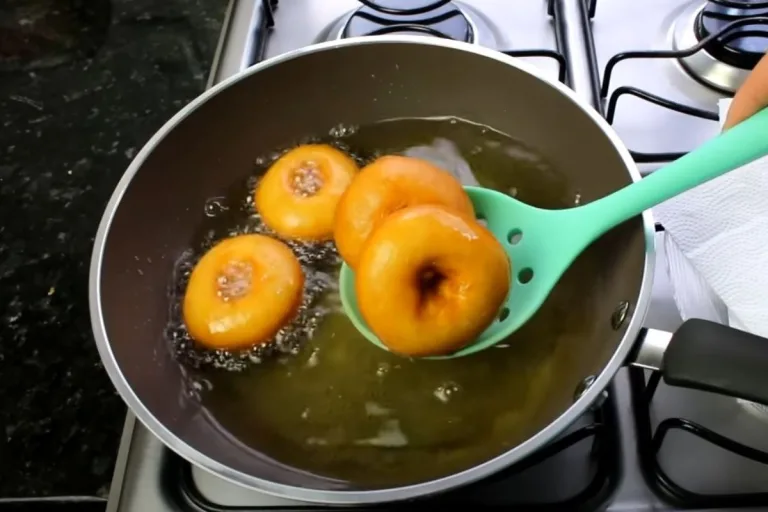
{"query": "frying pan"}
[(588, 333)]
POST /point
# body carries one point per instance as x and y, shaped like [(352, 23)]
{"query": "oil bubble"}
[(446, 391), (215, 206), (341, 130), (382, 370), (313, 359)]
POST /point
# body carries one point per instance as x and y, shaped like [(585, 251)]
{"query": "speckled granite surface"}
[(83, 84)]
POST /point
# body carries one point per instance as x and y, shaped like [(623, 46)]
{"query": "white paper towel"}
[(716, 248)]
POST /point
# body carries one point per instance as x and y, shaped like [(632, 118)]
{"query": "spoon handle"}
[(730, 150)]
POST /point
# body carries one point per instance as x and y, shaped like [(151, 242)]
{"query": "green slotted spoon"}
[(542, 244)]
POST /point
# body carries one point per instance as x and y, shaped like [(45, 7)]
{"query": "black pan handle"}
[(711, 357)]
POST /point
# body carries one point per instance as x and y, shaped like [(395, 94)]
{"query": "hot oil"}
[(335, 405)]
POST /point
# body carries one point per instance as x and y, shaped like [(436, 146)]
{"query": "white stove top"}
[(641, 124), (618, 26)]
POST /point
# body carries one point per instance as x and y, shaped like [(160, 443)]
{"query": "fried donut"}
[(388, 184), (241, 292), (297, 196), (429, 281)]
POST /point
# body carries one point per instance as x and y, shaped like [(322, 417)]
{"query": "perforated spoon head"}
[(539, 252), (542, 244)]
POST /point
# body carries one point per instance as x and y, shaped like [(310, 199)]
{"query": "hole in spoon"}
[(525, 275), (515, 236), (503, 314)]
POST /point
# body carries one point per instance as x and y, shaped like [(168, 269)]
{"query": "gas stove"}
[(656, 70)]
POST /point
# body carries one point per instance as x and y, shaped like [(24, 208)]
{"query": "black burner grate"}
[(650, 443), (388, 19), (730, 32)]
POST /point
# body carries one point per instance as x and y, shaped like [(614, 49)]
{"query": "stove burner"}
[(739, 37), (440, 18), (745, 44), (381, 6)]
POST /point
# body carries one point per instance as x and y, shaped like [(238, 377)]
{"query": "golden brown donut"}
[(429, 281), (241, 292), (387, 185), (297, 196)]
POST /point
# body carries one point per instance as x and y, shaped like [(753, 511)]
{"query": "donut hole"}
[(503, 314), (514, 237), (430, 282), (306, 179), (525, 275), (234, 280), (429, 279)]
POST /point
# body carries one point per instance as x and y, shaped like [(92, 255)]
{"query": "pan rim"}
[(393, 494)]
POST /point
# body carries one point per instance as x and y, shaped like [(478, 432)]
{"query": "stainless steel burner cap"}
[(482, 30), (702, 65)]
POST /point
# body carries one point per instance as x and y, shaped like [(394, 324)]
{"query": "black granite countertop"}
[(83, 84)]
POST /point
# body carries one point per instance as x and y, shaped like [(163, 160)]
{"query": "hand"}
[(751, 97)]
